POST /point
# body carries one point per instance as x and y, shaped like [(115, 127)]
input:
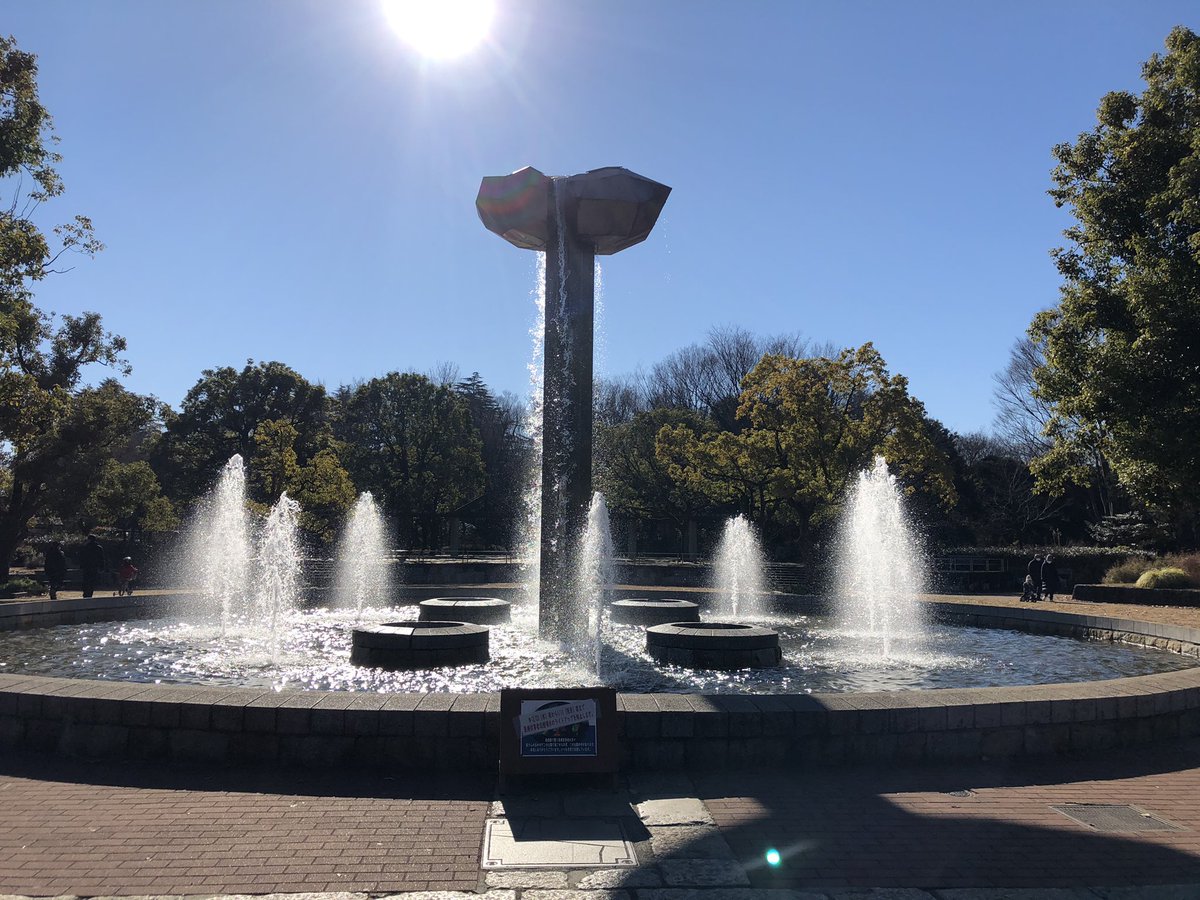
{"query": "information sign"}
[(558, 730)]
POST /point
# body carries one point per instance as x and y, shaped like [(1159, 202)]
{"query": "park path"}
[(103, 829), (106, 829)]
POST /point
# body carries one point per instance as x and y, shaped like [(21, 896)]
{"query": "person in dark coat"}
[(91, 562), (1049, 577), (55, 566), (1034, 570)]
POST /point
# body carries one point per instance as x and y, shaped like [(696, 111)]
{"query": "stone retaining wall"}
[(657, 731)]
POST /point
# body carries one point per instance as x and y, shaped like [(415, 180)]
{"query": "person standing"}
[(1049, 577), (1034, 571), (92, 562), (55, 567)]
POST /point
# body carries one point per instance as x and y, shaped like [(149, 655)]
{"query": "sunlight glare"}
[(440, 28)]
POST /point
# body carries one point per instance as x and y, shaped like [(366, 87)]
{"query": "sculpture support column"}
[(566, 420), (572, 219)]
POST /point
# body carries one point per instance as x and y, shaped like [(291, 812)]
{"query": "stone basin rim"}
[(185, 723)]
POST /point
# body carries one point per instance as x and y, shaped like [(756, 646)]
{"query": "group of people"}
[(93, 563), (1041, 579)]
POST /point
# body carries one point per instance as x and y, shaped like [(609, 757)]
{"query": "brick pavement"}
[(902, 828), (68, 828), (1167, 615)]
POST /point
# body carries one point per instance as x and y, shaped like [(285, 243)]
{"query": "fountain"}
[(572, 220), (220, 545), (595, 575), (739, 569), (880, 571), (362, 574), (401, 671), (276, 588)]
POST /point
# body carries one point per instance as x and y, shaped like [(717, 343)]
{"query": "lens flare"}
[(773, 857)]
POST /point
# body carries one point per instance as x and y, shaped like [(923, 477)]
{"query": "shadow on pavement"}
[(247, 779), (842, 828)]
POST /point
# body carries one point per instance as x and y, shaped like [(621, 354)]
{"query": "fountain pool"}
[(314, 654)]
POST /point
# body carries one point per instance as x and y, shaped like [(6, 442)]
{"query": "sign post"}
[(558, 731)]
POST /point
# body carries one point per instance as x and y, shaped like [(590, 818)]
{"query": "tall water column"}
[(572, 219)]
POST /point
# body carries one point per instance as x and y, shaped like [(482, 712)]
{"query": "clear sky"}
[(286, 179)]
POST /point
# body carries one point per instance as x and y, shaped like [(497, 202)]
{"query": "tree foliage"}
[(636, 481), (321, 486), (412, 444), (1122, 358), (222, 413), (506, 456), (57, 436), (810, 425), (128, 496)]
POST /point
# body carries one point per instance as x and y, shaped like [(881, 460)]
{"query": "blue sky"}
[(286, 179)]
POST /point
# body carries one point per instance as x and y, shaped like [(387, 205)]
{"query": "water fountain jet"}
[(739, 569), (880, 569)]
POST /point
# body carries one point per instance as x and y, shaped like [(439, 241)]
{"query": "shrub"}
[(1127, 571), (16, 586), (1189, 562), (1164, 578)]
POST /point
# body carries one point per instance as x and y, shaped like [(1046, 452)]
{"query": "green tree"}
[(505, 454), (222, 413), (411, 443), (810, 425), (1121, 354), (56, 435), (322, 486), (128, 496), (636, 481), (325, 492), (274, 466)]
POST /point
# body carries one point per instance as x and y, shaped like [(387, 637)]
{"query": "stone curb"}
[(682, 732)]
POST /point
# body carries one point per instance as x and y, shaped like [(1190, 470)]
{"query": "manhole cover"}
[(1114, 817), (538, 843), (963, 793)]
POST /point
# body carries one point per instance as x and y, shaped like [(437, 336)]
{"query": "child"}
[(127, 574), (1030, 592)]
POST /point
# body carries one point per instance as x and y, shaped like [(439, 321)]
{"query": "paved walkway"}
[(92, 830), (1167, 615), (103, 829)]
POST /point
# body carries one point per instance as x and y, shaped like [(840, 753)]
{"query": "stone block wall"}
[(95, 719)]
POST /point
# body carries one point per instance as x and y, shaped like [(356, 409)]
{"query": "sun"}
[(440, 28)]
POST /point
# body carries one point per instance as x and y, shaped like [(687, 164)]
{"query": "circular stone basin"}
[(643, 611), (714, 645), (419, 645), (480, 610)]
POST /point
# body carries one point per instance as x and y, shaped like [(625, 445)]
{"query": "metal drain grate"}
[(1114, 818)]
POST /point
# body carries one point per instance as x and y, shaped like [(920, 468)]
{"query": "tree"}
[(322, 487), (325, 492), (56, 435), (1024, 420), (635, 481), (128, 496), (505, 455), (222, 413), (411, 443), (708, 377), (810, 426), (274, 465), (1121, 348)]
